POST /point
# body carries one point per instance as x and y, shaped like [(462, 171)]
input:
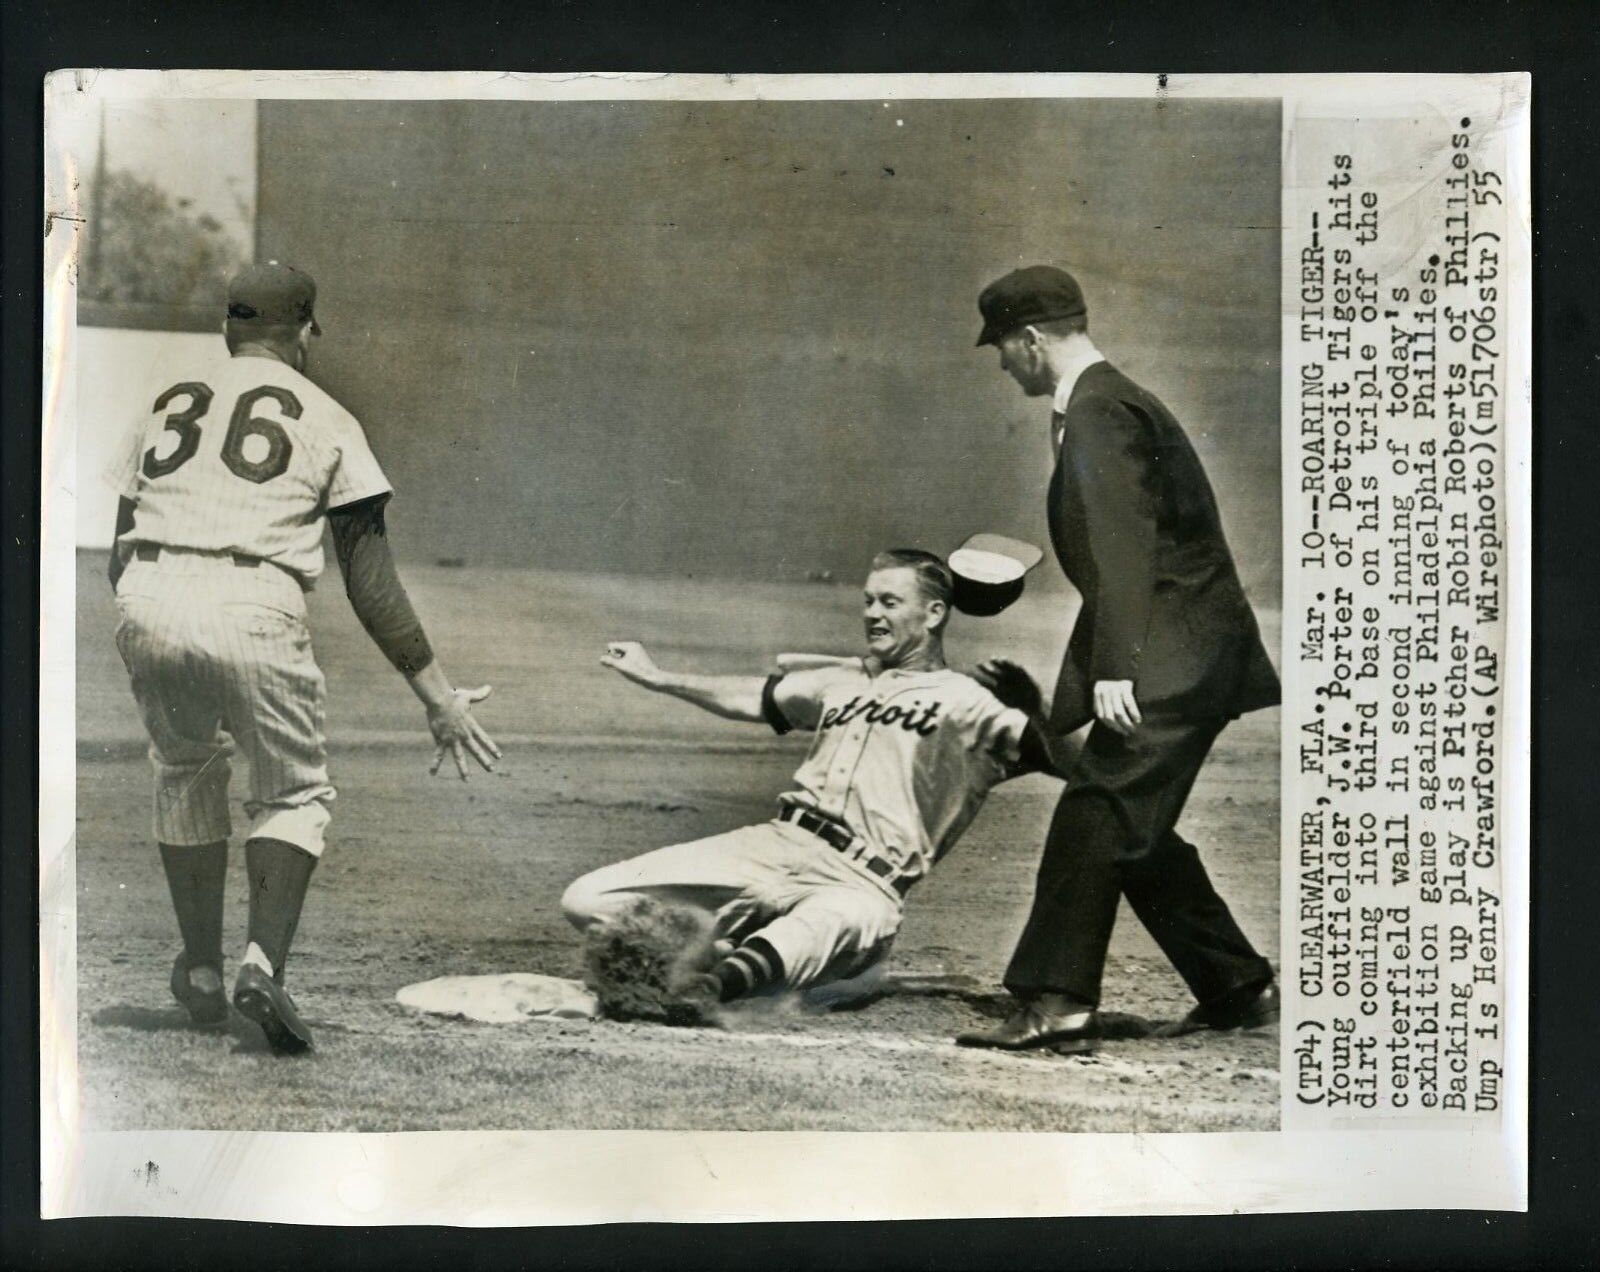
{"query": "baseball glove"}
[(652, 962), (1010, 683)]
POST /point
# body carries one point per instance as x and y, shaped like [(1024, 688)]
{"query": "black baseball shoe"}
[(205, 1006), (1251, 1008), (261, 999)]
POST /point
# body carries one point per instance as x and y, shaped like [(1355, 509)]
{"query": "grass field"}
[(428, 877)]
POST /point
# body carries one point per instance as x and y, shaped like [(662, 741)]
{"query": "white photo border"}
[(572, 1177)]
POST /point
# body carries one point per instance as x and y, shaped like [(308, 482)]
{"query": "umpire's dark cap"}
[(1036, 293), (273, 295)]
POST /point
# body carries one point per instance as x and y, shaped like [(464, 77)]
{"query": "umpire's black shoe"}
[(205, 1006), (1065, 1026), (1249, 1008), (261, 999)]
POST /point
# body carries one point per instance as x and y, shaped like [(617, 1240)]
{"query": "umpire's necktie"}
[(1058, 427)]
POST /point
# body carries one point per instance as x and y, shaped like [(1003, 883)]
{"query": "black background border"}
[(1555, 41)]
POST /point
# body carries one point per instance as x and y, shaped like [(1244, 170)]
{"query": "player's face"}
[(1022, 358), (898, 618)]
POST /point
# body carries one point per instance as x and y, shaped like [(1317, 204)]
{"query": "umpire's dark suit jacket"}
[(1136, 529)]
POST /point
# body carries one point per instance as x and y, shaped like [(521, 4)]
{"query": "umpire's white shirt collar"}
[(1086, 356)]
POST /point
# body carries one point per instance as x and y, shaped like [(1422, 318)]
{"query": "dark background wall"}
[(738, 338)]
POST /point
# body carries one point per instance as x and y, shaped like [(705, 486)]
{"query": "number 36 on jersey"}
[(273, 445), (245, 455)]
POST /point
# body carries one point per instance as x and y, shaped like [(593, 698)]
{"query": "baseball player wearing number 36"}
[(224, 487), (904, 753)]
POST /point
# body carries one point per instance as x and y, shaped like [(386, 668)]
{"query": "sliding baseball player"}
[(904, 752)]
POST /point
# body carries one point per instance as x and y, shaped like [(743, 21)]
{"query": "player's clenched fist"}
[(629, 657)]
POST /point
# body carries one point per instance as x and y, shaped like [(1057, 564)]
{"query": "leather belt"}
[(841, 839), (244, 560), (153, 551)]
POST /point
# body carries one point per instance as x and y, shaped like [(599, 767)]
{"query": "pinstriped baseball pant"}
[(220, 660)]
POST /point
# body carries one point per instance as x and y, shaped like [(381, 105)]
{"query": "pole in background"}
[(97, 203)]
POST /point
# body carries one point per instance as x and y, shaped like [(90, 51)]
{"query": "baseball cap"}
[(274, 294), (1035, 293), (989, 571)]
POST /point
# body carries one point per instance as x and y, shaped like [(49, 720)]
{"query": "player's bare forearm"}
[(731, 697), (431, 685)]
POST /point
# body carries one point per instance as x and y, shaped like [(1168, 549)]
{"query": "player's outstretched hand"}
[(629, 657), (1010, 683), (458, 734)]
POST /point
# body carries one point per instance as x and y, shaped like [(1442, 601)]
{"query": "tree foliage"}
[(143, 247)]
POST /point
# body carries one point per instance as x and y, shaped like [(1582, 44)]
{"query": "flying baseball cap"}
[(1035, 293), (989, 572), (273, 295)]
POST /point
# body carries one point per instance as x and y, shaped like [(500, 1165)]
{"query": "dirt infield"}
[(427, 877)]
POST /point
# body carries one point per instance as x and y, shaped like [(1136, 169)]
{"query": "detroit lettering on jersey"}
[(243, 455), (904, 759), (907, 717)]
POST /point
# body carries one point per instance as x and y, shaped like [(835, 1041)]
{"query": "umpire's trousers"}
[(1112, 836)]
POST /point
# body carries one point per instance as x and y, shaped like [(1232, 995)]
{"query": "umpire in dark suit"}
[(1164, 653)]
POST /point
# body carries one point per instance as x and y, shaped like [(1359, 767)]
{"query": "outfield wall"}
[(738, 338)]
